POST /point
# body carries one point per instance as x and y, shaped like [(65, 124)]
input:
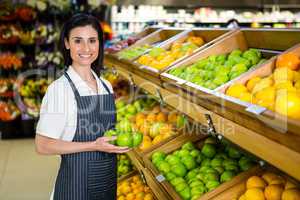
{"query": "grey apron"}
[(89, 175)]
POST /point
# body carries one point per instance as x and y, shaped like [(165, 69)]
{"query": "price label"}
[(255, 109), (160, 178)]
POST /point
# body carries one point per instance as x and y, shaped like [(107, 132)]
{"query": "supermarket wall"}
[(29, 57)]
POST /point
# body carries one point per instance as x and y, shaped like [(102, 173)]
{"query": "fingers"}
[(107, 139)]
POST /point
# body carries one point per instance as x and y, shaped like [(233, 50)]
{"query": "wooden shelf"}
[(279, 149)]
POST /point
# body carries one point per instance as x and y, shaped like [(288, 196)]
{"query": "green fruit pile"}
[(134, 52), (124, 165), (127, 135), (214, 71), (127, 111), (193, 172)]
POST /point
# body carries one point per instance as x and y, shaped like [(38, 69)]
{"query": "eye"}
[(93, 40), (77, 41)]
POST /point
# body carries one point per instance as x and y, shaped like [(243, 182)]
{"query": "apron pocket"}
[(101, 176)]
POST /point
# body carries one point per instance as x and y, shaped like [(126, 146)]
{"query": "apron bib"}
[(89, 175)]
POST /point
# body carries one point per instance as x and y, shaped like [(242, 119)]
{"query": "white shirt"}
[(58, 113)]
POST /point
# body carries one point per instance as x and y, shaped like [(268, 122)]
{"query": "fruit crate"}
[(138, 36), (155, 39), (236, 191), (178, 132), (209, 36), (145, 183), (275, 119), (198, 141), (236, 40)]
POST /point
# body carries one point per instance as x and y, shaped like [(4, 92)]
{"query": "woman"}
[(76, 110)]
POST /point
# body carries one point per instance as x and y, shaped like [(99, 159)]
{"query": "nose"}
[(86, 46)]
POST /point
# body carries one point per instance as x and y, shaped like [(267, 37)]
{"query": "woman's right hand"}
[(102, 144)]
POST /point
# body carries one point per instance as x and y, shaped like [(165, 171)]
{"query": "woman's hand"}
[(102, 144)]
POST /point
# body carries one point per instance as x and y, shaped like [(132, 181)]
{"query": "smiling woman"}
[(76, 111)]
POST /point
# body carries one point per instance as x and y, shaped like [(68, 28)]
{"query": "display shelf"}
[(281, 150)]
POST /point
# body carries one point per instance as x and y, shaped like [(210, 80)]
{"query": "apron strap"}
[(105, 86), (72, 85)]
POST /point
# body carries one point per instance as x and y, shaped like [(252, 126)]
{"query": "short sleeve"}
[(53, 116)]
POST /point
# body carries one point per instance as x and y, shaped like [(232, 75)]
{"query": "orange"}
[(156, 109), (288, 104), (255, 194), (151, 117), (252, 82), (140, 196), (130, 196), (269, 176), (121, 198), (145, 145), (148, 197), (139, 119), (289, 185), (291, 194), (289, 60), (172, 117), (273, 192), (255, 182), (161, 117), (145, 128), (136, 178), (125, 189), (157, 139)]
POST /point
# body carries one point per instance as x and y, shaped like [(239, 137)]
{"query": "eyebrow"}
[(82, 38)]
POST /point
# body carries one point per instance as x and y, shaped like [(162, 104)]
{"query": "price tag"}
[(255, 109), (160, 178)]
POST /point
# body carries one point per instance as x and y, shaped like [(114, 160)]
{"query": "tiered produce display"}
[(194, 171), (212, 168)]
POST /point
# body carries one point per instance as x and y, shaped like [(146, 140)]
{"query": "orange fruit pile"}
[(156, 126), (133, 189), (279, 92), (270, 186), (177, 50)]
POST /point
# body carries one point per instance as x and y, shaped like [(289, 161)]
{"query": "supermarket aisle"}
[(24, 174)]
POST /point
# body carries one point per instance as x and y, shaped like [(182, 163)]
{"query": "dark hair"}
[(79, 20)]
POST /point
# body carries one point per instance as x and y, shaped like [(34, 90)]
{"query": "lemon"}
[(283, 74), (236, 90), (288, 104), (269, 176), (289, 185), (263, 83), (246, 96), (255, 194), (273, 192), (252, 82), (255, 182), (291, 194)]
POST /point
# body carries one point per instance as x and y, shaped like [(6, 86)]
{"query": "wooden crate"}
[(227, 44), (198, 140), (154, 39), (140, 35), (266, 69), (239, 188), (155, 193), (210, 36)]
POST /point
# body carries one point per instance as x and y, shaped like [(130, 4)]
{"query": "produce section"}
[(228, 169)]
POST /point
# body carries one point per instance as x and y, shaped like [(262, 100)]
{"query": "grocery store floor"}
[(25, 175)]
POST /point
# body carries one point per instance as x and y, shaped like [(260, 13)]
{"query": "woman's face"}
[(83, 44)]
